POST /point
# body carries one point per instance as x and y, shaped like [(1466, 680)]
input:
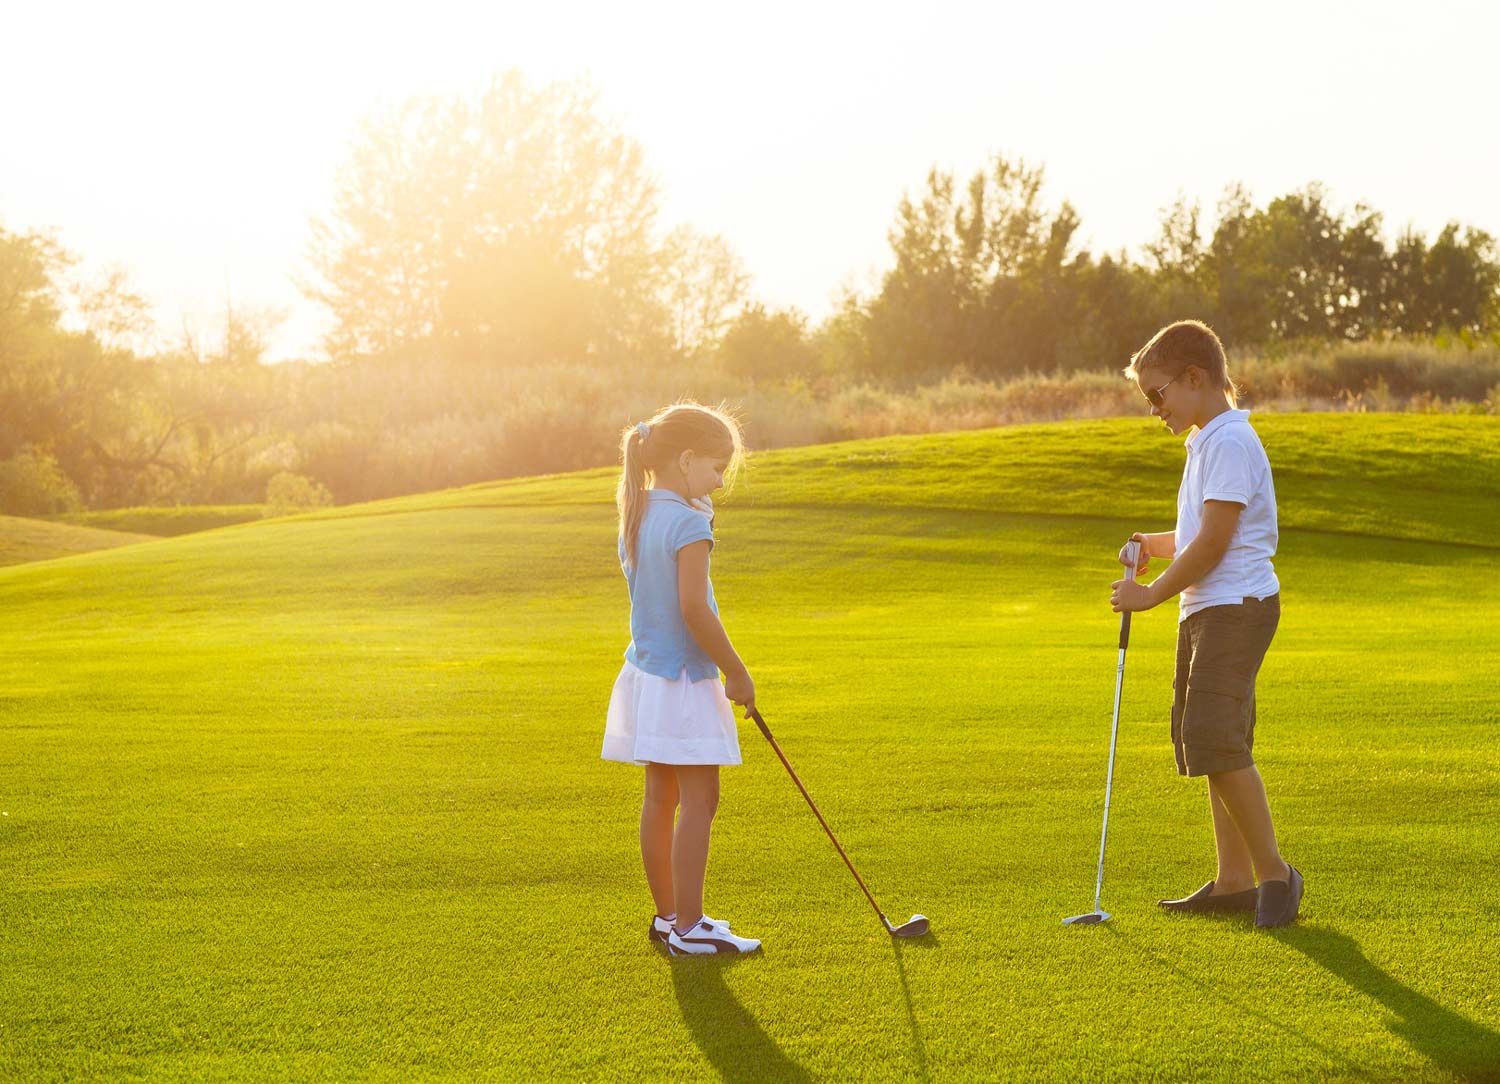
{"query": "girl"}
[(668, 711)]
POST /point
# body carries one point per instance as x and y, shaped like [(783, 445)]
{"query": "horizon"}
[(801, 171)]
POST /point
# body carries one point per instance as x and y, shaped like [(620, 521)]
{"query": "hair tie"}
[(643, 429)]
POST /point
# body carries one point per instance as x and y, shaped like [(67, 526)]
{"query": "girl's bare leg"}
[(658, 812), (698, 795)]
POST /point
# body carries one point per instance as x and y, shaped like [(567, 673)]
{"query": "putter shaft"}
[(1132, 549)]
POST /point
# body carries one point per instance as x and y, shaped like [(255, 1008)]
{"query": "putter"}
[(915, 926), (1133, 553)]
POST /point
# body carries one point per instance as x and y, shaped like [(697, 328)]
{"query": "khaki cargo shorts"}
[(1219, 652)]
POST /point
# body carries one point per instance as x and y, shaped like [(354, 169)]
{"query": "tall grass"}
[(1386, 376), (374, 432), (370, 430)]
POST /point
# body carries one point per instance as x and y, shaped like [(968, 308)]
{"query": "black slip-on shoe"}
[(1279, 901), (1203, 902)]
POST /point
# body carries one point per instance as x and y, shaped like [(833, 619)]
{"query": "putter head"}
[(915, 926), (1090, 919)]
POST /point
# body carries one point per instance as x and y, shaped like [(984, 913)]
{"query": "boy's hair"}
[(1176, 346), (683, 427)]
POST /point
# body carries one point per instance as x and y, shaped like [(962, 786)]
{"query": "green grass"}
[(168, 522), (321, 797), (23, 540)]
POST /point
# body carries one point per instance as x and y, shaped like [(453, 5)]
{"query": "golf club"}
[(1132, 555), (915, 926)]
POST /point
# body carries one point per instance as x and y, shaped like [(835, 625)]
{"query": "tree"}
[(1178, 248), (515, 227), (61, 391), (243, 337), (768, 345), (1298, 269), (32, 484), (113, 425), (705, 282), (1452, 285), (984, 280), (922, 317)]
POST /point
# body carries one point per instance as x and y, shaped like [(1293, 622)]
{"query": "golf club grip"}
[(764, 729), (1133, 551)]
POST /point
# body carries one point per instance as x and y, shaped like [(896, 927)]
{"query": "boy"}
[(1230, 604)]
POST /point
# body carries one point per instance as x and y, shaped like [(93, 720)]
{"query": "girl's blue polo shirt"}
[(660, 642)]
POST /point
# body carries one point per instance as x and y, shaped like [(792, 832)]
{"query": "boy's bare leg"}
[(1244, 798), (698, 793), (658, 811), (1236, 872)]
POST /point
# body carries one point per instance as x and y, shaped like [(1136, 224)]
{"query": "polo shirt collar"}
[(1194, 440)]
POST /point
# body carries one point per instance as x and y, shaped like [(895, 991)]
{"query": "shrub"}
[(32, 484), (288, 493)]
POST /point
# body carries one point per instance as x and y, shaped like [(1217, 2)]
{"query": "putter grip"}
[(1133, 554)]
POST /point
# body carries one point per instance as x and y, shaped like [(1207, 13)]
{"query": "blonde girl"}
[(669, 712)]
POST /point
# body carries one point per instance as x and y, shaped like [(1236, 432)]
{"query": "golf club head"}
[(915, 926), (1090, 919)]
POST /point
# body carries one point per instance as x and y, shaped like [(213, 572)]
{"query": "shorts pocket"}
[(1216, 716), (1219, 683)]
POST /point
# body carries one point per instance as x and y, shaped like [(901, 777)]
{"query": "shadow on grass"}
[(1216, 993), (918, 1047), (734, 1043), (1452, 1042)]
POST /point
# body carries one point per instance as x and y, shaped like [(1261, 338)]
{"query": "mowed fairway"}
[(322, 797)]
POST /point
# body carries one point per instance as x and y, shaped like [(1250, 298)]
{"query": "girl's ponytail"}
[(630, 495)]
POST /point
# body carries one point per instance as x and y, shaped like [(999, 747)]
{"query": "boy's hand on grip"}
[(1142, 559), (1129, 596)]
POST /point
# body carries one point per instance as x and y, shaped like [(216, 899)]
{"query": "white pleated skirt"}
[(656, 720)]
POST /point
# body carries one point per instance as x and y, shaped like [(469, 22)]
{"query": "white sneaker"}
[(661, 928), (708, 938)]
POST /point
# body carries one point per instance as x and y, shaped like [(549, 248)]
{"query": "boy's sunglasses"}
[(1153, 395)]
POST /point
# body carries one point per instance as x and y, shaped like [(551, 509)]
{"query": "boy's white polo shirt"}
[(1226, 462)]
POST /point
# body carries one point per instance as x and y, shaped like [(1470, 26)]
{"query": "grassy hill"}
[(23, 540), (168, 522), (322, 797)]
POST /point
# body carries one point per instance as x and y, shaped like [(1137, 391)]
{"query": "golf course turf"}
[(321, 797)]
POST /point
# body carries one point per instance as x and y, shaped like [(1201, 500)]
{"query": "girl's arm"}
[(704, 624)]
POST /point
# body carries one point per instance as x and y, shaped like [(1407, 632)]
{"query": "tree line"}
[(484, 254)]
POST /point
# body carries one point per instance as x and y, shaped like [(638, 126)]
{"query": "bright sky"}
[(192, 143)]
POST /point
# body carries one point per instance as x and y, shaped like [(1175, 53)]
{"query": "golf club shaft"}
[(1114, 729), (1109, 777), (755, 715)]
